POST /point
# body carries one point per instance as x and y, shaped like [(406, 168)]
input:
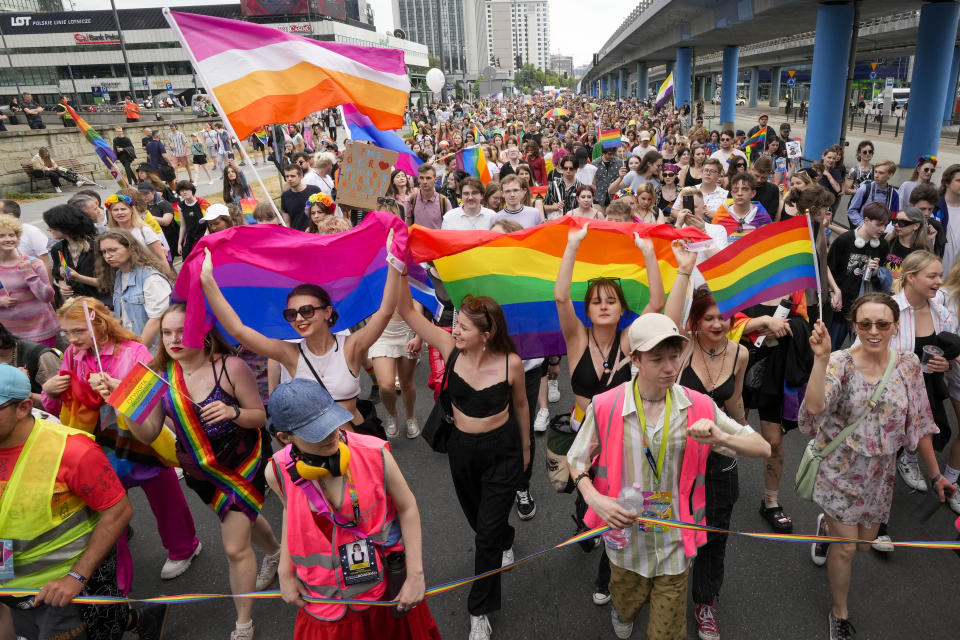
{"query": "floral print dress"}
[(855, 482)]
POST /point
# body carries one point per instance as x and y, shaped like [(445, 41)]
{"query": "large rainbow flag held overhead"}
[(260, 74), (102, 147), (519, 270), (256, 267), (665, 90), (774, 260)]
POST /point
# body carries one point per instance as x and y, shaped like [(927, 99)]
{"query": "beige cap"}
[(649, 330), (644, 135)]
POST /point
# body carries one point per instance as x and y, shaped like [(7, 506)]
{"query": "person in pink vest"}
[(627, 461), (351, 527)]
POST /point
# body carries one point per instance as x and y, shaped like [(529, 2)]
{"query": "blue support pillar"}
[(775, 86), (831, 50), (928, 89), (951, 87), (611, 87), (681, 76), (621, 85), (643, 80), (728, 97), (754, 87)]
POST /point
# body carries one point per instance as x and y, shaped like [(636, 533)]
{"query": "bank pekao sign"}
[(299, 29), (96, 38)]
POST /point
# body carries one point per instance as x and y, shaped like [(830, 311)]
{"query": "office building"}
[(561, 64), (452, 30), (518, 33)]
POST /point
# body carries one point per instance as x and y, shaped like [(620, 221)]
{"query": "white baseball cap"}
[(215, 211), (650, 329)]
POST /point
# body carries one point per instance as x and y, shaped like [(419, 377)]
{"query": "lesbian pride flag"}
[(362, 128), (519, 270), (260, 74)]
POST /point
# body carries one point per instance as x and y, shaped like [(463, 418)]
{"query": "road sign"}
[(873, 75), (889, 83), (144, 82), (169, 86), (791, 82)]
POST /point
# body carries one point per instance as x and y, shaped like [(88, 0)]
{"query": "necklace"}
[(651, 401), (606, 362), (713, 353), (706, 364)]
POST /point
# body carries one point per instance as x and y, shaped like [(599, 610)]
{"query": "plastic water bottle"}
[(631, 499)]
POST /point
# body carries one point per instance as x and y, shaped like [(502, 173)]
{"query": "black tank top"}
[(690, 181), (722, 392), (479, 403), (584, 381)]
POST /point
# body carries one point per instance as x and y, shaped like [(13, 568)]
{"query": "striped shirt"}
[(655, 553), (179, 143)]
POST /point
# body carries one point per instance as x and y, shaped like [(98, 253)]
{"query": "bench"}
[(80, 168)]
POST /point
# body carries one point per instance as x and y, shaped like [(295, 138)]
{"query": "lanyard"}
[(322, 505), (655, 466)]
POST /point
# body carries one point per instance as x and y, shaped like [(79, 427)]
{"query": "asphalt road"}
[(772, 589)]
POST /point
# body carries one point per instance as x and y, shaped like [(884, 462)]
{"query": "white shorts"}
[(392, 343)]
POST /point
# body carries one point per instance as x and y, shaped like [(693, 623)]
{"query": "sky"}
[(571, 32)]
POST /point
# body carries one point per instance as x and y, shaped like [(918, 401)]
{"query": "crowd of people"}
[(661, 404)]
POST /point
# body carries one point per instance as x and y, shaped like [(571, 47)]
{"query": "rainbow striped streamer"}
[(519, 270)]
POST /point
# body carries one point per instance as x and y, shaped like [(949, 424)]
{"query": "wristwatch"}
[(936, 478)]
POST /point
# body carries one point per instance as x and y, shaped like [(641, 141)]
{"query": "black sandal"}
[(776, 518)]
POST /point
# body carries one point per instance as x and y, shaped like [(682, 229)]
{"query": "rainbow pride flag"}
[(775, 260), (519, 270), (758, 138), (102, 147), (247, 205), (474, 161), (139, 392), (666, 89), (610, 139), (479, 137), (260, 74), (261, 134), (63, 265)]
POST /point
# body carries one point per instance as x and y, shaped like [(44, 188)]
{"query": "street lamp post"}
[(123, 49)]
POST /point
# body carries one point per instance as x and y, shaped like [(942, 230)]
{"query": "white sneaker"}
[(910, 473), (954, 500), (179, 473), (542, 420), (553, 390), (268, 570), (818, 550), (391, 428), (58, 189), (413, 428), (621, 629), (883, 543), (245, 633), (480, 628), (507, 557), (173, 568)]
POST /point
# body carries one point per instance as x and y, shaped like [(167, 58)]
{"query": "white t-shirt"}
[(952, 251), (313, 178), (586, 174), (156, 297), (526, 217), (33, 242), (457, 219), (724, 156), (714, 199), (147, 236)]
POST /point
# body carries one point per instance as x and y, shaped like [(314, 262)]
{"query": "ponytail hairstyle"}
[(487, 316)]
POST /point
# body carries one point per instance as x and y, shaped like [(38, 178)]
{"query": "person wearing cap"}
[(641, 149), (216, 218), (762, 126), (340, 489), (162, 211), (625, 446), (67, 548)]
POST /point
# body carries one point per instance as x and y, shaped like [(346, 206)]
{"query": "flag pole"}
[(223, 114), (816, 267), (93, 336)]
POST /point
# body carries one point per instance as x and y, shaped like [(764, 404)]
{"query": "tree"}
[(434, 62), (528, 78)]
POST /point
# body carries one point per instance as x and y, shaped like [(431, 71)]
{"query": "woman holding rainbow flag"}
[(101, 353), (221, 448)]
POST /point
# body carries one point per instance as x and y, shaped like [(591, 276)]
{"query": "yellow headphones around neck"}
[(314, 467)]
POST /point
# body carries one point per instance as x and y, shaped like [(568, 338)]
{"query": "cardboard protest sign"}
[(364, 174)]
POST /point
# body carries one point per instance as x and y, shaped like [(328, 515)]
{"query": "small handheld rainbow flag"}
[(474, 161), (247, 205), (63, 265), (479, 137), (261, 134), (610, 139), (774, 260), (139, 392), (758, 138)]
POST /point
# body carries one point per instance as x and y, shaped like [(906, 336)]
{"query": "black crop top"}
[(584, 381), (479, 403), (722, 392)]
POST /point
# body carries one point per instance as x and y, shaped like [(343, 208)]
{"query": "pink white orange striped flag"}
[(261, 75)]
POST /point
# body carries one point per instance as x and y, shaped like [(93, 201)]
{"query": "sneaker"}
[(707, 626), (58, 189), (242, 633), (173, 568), (179, 473), (526, 507), (954, 500), (621, 629), (413, 428), (840, 628), (601, 596), (910, 472), (268, 570), (553, 390), (507, 557), (480, 628), (391, 428), (818, 550), (883, 543), (542, 420), (153, 619)]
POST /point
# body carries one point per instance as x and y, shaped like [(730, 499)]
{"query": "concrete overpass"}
[(662, 35)]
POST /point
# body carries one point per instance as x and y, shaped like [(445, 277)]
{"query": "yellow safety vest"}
[(47, 539)]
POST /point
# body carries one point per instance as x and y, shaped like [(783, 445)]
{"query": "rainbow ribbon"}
[(188, 598)]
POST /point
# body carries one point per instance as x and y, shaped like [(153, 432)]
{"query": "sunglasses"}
[(604, 281), (903, 223), (867, 151), (306, 312), (668, 174), (866, 325)]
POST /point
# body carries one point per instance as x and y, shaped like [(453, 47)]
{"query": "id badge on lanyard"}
[(656, 504), (6, 560), (358, 560)]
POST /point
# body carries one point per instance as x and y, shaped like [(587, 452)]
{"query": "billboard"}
[(335, 9)]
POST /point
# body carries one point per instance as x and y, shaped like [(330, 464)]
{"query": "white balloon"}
[(435, 80)]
